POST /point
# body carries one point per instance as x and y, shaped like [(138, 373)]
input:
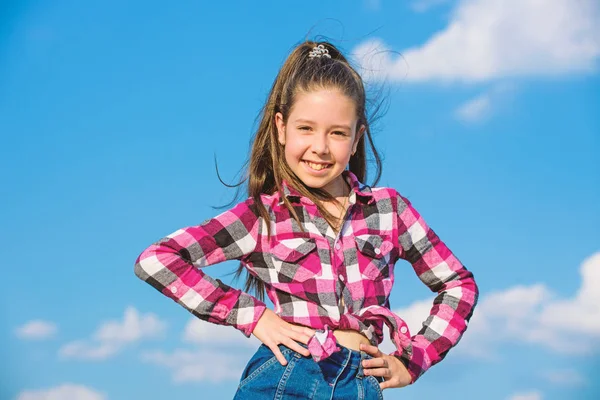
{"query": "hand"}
[(272, 330), (389, 367)]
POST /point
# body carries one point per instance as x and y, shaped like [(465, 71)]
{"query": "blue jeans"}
[(339, 376)]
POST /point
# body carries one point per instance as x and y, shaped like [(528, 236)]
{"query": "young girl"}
[(323, 245)]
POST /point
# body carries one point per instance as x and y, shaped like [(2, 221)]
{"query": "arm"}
[(442, 272), (172, 264)]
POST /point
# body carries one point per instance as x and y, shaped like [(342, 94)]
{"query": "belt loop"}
[(363, 356)]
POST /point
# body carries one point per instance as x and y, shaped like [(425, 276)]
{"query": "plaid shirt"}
[(318, 278)]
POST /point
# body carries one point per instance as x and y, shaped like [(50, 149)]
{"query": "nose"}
[(319, 144)]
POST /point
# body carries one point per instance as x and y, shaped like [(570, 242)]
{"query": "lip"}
[(314, 171)]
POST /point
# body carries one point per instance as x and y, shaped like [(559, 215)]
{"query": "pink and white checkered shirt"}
[(316, 277)]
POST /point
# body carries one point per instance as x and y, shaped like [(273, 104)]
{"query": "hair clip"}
[(319, 51)]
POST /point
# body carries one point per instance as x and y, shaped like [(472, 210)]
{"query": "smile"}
[(317, 166)]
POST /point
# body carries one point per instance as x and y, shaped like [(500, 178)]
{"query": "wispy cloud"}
[(533, 395), (199, 332), (425, 5), (476, 109), (374, 5), (66, 391), (112, 336), (194, 365), (491, 39), (88, 350), (37, 330), (567, 377), (483, 106), (228, 349)]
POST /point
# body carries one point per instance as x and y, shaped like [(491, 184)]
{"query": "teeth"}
[(317, 167)]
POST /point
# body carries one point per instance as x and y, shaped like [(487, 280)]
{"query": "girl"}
[(323, 245)]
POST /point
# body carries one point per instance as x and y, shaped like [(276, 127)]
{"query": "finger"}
[(384, 372), (279, 355), (296, 347), (303, 330), (372, 350), (375, 362), (310, 332), (387, 385), (298, 336)]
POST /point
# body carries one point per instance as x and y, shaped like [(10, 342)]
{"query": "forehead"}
[(323, 105)]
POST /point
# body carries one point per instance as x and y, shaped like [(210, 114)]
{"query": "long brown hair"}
[(267, 168)]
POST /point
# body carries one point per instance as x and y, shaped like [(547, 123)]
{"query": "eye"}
[(304, 128), (339, 133)]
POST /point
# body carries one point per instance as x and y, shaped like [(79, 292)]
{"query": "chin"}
[(314, 183)]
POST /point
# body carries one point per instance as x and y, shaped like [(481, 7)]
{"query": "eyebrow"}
[(307, 121)]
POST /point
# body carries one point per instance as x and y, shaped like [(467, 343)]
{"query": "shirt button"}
[(173, 289), (377, 250), (403, 329), (337, 246), (342, 278)]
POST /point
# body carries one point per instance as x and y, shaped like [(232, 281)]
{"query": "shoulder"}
[(250, 204), (390, 195)]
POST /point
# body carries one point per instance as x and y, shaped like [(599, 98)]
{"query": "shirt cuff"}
[(415, 359), (246, 314)]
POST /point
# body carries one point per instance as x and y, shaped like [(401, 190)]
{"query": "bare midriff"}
[(347, 337), (350, 338)]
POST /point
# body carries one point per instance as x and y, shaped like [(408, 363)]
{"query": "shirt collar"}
[(358, 191)]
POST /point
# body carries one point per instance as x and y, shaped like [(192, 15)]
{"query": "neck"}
[(341, 189)]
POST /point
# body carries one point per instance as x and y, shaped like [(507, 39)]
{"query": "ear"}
[(280, 128), (359, 134)]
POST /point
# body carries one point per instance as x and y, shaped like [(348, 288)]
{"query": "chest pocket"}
[(374, 256), (295, 260)]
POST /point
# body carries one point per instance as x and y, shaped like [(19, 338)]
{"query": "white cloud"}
[(86, 350), (476, 109), (533, 395), (566, 377), (531, 314), (200, 365), (491, 39), (229, 353), (36, 330), (580, 315), (67, 391), (133, 327), (425, 5), (112, 336), (483, 106), (198, 331)]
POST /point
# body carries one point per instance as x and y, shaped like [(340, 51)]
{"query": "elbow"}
[(475, 292), (139, 271), (471, 294), (143, 264), (467, 281), (147, 263)]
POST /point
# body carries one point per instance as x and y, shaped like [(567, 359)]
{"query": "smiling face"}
[(319, 136)]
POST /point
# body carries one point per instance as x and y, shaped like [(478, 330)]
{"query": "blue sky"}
[(111, 114)]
